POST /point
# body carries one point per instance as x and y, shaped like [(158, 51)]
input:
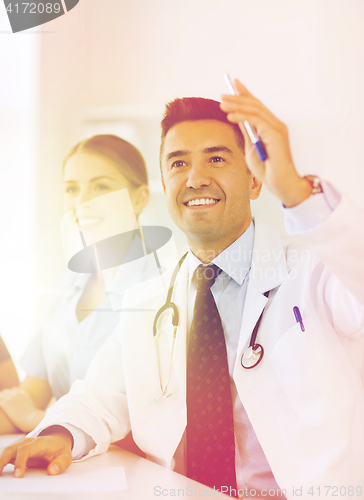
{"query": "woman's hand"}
[(278, 172), (53, 451), (20, 409), (8, 375)]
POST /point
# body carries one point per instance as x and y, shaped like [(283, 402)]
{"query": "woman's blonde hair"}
[(126, 158)]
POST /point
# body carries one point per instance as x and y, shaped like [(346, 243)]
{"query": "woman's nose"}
[(85, 195)]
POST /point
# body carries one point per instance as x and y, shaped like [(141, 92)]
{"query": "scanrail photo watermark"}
[(299, 492), (194, 491)]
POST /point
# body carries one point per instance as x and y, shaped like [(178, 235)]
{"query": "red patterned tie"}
[(210, 426)]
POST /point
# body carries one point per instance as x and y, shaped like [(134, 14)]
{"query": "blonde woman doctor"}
[(78, 317)]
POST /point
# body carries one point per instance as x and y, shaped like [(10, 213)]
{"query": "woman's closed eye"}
[(100, 186), (71, 189)]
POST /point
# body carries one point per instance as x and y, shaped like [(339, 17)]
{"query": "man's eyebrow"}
[(211, 150), (218, 149), (179, 152)]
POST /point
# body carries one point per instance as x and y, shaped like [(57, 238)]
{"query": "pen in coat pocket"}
[(297, 315)]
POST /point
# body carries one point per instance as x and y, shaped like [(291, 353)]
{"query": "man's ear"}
[(163, 185), (255, 188), (140, 198)]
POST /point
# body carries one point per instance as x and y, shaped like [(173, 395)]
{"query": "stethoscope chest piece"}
[(252, 356)]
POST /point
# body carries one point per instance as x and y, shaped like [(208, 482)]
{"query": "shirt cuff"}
[(313, 211), (82, 442)]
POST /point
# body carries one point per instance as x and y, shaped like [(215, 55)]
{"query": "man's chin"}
[(201, 232)]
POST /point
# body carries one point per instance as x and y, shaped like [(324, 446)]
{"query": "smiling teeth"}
[(88, 221), (202, 201)]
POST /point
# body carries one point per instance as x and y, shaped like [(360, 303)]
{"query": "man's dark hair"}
[(195, 108)]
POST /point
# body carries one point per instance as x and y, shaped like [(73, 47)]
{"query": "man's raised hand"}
[(278, 172)]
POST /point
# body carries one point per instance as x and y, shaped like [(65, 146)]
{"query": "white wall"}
[(303, 59), (18, 162)]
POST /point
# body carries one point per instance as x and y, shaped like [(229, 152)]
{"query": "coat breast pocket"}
[(314, 371)]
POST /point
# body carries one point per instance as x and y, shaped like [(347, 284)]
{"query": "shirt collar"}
[(235, 260)]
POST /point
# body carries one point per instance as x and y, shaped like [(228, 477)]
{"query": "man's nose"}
[(198, 176)]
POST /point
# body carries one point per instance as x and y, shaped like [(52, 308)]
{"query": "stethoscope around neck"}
[(250, 358), (168, 305), (254, 353)]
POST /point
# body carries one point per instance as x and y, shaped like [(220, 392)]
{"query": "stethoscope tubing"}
[(255, 349), (175, 320)]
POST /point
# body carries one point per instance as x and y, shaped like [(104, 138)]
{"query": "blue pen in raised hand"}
[(297, 315), (253, 136)]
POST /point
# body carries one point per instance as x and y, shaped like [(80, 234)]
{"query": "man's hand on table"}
[(53, 451)]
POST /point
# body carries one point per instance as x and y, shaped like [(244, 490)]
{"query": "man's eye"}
[(216, 159), (178, 163)]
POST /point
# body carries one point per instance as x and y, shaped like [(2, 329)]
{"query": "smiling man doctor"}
[(294, 420)]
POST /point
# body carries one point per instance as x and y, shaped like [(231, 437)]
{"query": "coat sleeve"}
[(338, 274), (96, 405)]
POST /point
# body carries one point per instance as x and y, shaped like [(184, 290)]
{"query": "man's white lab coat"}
[(305, 399)]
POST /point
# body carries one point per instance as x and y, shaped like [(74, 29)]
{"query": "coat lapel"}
[(268, 271), (158, 425)]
